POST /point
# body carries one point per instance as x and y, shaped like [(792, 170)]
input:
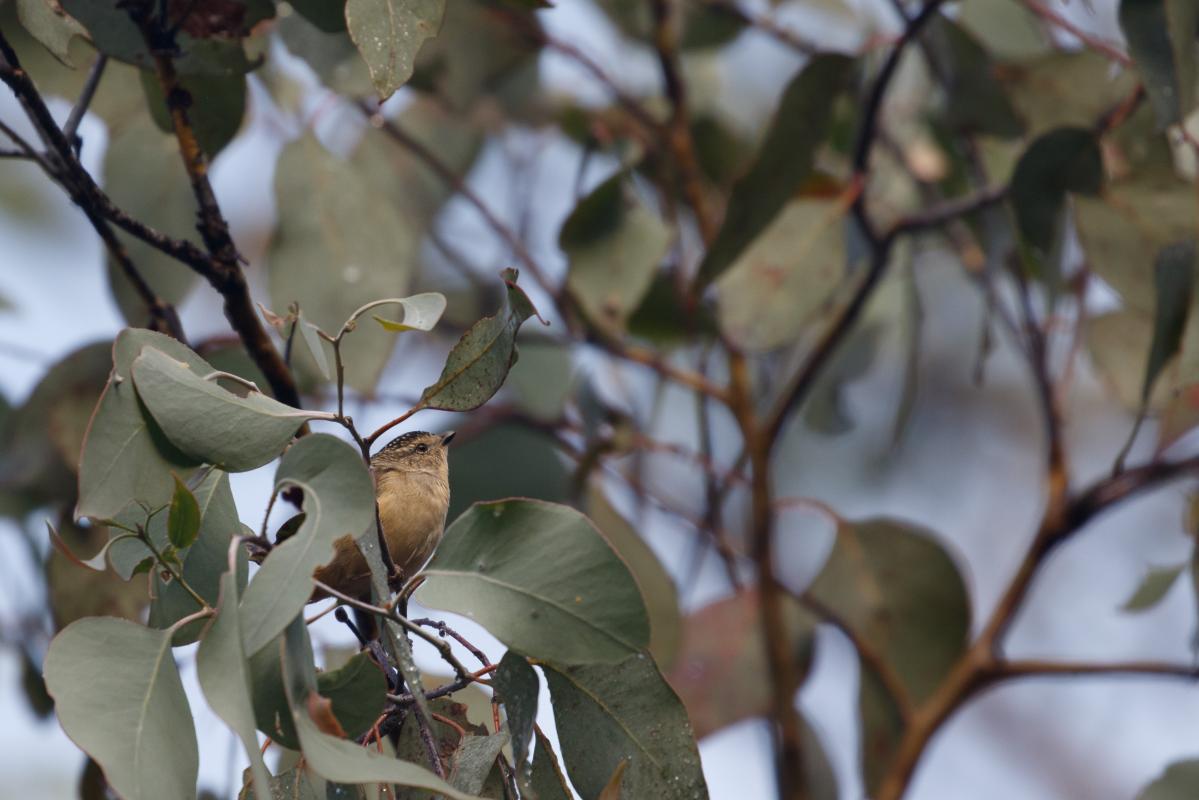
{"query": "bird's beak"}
[(447, 438)]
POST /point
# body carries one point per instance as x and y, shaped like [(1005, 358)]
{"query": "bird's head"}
[(416, 451)]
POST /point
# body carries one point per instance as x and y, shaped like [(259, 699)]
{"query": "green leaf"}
[(421, 312), (895, 587), (975, 102), (357, 690), (657, 587), (1174, 280), (784, 160), (346, 762), (1008, 31), (204, 562), (786, 276), (614, 245), (210, 423), (224, 675), (50, 25), (517, 685), (216, 106), (607, 713), (1180, 781), (340, 244), (1153, 588), (475, 759), (1062, 88), (126, 458), (328, 15), (1161, 39), (118, 696), (114, 32), (541, 579), (1060, 161), (339, 500), (547, 779), (477, 365), (41, 441), (311, 339), (507, 461), (389, 34), (183, 523)]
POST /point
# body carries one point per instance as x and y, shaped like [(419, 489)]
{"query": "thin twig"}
[(71, 128)]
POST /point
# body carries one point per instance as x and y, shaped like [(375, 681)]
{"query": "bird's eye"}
[(422, 448)]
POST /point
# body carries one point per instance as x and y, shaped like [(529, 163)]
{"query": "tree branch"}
[(226, 276)]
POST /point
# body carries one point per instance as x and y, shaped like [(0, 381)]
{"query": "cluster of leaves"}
[(138, 436)]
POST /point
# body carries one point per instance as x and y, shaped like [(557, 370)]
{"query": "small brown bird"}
[(412, 489)]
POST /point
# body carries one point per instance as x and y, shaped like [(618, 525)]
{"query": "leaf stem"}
[(200, 601)]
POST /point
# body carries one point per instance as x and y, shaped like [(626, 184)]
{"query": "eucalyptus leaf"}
[(49, 24), (224, 674), (113, 31), (204, 562), (1153, 588), (787, 275), (117, 694), (1161, 39), (216, 106), (609, 713), (126, 458), (1179, 781), (341, 243), (183, 520), (541, 579), (475, 759), (547, 780), (784, 160), (1174, 281), (895, 587), (477, 365), (614, 245), (210, 423), (1064, 160), (339, 500), (657, 587), (389, 34), (517, 685), (357, 690), (421, 312)]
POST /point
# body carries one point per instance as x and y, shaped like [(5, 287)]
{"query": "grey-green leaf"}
[(118, 695), (356, 689), (1060, 161), (51, 26), (474, 761), (607, 713), (1180, 781), (1153, 588), (183, 520), (897, 588), (516, 684), (541, 579), (339, 500), (204, 562), (784, 160), (614, 245), (1174, 282), (657, 587), (1161, 39), (126, 458), (209, 422), (341, 242), (547, 779), (421, 312), (224, 674), (477, 365), (389, 34)]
